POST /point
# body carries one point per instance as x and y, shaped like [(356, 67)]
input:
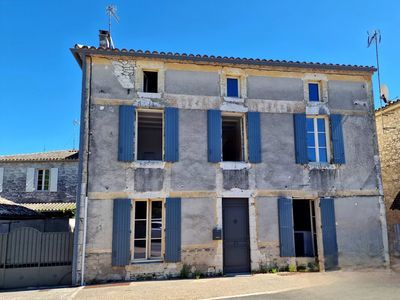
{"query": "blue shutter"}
[(232, 87), (254, 136), (171, 134), (300, 141), (328, 222), (121, 232), (337, 139), (173, 230), (313, 91), (126, 133), (214, 130), (286, 231)]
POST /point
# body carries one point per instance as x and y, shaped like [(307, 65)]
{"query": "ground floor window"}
[(305, 238), (148, 229)]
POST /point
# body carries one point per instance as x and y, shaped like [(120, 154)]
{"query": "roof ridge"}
[(43, 152)]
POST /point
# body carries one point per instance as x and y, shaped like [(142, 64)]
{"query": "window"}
[(148, 230), (150, 135), (305, 237), (313, 92), (232, 87), (317, 139), (150, 81), (232, 138), (43, 179)]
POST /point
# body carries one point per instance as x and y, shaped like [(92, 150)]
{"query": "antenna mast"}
[(111, 11)]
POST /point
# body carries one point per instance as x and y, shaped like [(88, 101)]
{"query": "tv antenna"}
[(111, 11)]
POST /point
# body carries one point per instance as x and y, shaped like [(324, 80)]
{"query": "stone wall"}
[(14, 182), (389, 148)]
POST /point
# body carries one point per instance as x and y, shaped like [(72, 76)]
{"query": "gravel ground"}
[(329, 285)]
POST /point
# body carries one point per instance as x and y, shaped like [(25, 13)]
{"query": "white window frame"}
[(327, 139), (148, 231), (43, 180), (143, 110), (243, 129), (239, 86)]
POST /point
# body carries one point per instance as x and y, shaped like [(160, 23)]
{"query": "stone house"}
[(225, 165), (389, 147), (45, 177)]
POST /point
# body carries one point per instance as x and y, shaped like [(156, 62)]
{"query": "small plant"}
[(302, 268), (313, 267), (197, 274), (185, 271), (274, 270), (292, 268)]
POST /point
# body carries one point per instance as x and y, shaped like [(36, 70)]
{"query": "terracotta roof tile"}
[(60, 155)]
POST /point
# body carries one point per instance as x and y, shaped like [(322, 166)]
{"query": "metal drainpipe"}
[(84, 241)]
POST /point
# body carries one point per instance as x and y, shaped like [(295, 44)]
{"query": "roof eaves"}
[(84, 50)]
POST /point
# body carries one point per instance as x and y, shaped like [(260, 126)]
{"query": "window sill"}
[(149, 164), (321, 166), (147, 261), (149, 95), (234, 99), (234, 165)]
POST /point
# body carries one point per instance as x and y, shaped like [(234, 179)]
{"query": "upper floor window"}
[(150, 135), (317, 139), (232, 138), (43, 180), (150, 81), (232, 87), (148, 229), (314, 91)]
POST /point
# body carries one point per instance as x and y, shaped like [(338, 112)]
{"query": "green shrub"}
[(185, 271)]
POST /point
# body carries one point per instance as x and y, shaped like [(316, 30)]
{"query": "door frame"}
[(247, 200)]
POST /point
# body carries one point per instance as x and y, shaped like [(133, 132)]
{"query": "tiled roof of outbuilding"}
[(389, 104), (214, 59), (9, 211), (56, 206), (59, 155)]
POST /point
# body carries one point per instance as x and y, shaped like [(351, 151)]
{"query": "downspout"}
[(82, 191), (84, 241)]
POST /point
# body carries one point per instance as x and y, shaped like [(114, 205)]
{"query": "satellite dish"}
[(384, 93)]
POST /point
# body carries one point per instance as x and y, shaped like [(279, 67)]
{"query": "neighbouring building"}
[(389, 147), (224, 165), (45, 181)]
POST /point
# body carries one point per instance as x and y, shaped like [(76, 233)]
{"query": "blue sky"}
[(41, 82)]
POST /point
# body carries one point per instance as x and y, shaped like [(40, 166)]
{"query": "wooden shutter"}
[(171, 134), (121, 232), (286, 231), (173, 230), (300, 140), (53, 179), (337, 139), (30, 180), (1, 179), (328, 223), (214, 131), (254, 136), (126, 133)]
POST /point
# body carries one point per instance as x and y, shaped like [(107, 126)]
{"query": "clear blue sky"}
[(41, 82)]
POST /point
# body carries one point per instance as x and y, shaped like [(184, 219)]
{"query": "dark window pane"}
[(156, 248), (150, 82), (140, 229), (232, 87), (156, 228), (140, 210), (310, 124), (140, 249), (311, 154), (321, 125), (310, 140), (313, 91), (46, 180), (156, 210), (321, 140), (323, 155)]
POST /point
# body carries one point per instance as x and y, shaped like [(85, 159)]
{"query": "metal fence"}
[(29, 257)]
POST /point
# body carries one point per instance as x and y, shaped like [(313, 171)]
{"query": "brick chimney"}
[(105, 39)]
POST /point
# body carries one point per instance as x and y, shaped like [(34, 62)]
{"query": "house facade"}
[(224, 165), (45, 177), (387, 120)]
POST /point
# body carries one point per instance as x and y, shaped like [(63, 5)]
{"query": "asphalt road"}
[(377, 284)]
